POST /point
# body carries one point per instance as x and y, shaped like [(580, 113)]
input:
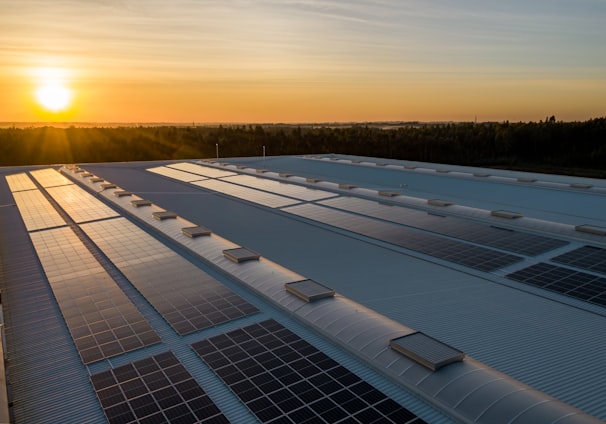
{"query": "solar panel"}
[(579, 285), (205, 171), (36, 210), (187, 298), (512, 241), (20, 182), (282, 378), (157, 389), (246, 193), (451, 250), (290, 190), (175, 174), (586, 257), (80, 205), (101, 319), (49, 177)]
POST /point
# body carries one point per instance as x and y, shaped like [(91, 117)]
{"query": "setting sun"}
[(52, 92)]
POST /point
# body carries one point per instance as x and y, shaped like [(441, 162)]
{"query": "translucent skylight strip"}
[(20, 182), (443, 248), (246, 193), (36, 211), (284, 189), (205, 171), (512, 241), (50, 177), (187, 298), (80, 205), (175, 174), (101, 319)]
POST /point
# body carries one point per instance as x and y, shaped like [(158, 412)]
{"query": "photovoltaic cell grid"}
[(49, 177), (20, 182), (158, 390), (175, 174), (101, 319), (79, 205), (461, 253), (283, 379), (512, 241), (290, 190), (580, 285), (246, 193), (586, 257), (187, 298), (205, 171), (36, 211)]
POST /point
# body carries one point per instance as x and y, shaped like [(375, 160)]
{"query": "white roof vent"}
[(438, 202), (347, 186), (194, 232), (86, 174), (598, 231), (122, 193), (107, 186), (141, 202), (162, 215), (425, 350), (481, 174), (241, 254), (312, 180), (309, 290), (96, 180), (527, 180), (388, 193), (580, 185), (284, 175)]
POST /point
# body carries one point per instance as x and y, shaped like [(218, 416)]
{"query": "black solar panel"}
[(440, 247), (572, 283), (283, 379), (157, 389), (586, 257)]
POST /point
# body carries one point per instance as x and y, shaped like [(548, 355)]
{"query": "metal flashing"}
[(309, 290), (425, 350)]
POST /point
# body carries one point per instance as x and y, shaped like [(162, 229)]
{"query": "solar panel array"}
[(80, 205), (283, 379), (512, 241), (577, 284), (205, 171), (246, 193), (458, 252), (586, 257), (101, 319), (49, 177), (36, 210), (20, 182), (175, 174), (290, 190), (187, 298), (157, 389)]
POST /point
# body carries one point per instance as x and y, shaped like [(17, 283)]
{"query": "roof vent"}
[(598, 231), (107, 186), (356, 161), (347, 186), (96, 180), (380, 164), (409, 167), (122, 193), (443, 171), (241, 254), (506, 214), (309, 290), (388, 193), (481, 174), (79, 171), (438, 202), (241, 167), (194, 232), (262, 171), (580, 185), (142, 202), (425, 350), (526, 180), (86, 174), (312, 180), (160, 216)]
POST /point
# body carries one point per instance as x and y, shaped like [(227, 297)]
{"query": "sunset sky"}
[(301, 60)]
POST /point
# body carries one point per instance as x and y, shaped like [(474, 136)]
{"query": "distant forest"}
[(573, 148)]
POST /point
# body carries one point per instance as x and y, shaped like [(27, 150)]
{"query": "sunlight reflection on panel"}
[(20, 182), (284, 189), (249, 194), (50, 178), (80, 205), (205, 171), (175, 174), (36, 210)]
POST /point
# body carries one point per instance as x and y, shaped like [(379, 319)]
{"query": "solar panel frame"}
[(591, 258), (175, 174), (20, 182), (101, 319), (50, 177), (36, 211), (157, 389), (282, 378), (79, 204), (188, 298), (281, 188), (246, 193)]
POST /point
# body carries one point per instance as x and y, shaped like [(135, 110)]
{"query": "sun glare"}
[(52, 92)]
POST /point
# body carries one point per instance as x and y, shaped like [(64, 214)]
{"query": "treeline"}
[(576, 148)]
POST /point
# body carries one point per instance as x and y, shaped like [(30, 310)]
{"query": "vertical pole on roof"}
[(263, 152), (217, 149)]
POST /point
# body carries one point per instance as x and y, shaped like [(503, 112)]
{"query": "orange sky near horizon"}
[(304, 61)]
